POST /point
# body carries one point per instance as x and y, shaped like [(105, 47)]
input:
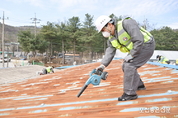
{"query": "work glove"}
[(100, 68), (128, 58)]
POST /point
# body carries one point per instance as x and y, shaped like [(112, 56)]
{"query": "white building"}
[(171, 55)]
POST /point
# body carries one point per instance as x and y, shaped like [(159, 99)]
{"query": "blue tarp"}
[(63, 67), (153, 63), (164, 65)]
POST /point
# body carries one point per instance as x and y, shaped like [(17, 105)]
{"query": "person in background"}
[(128, 37), (177, 62), (48, 70), (162, 59)]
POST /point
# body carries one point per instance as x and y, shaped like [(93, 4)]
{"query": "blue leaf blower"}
[(95, 78)]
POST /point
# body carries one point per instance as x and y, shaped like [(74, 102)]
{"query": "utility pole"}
[(35, 20), (63, 55), (3, 39)]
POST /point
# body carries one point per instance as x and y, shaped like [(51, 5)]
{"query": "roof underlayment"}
[(54, 95)]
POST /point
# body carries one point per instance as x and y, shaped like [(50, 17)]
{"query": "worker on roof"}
[(48, 70), (128, 37), (162, 59)]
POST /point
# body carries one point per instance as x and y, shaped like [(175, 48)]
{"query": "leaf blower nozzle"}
[(82, 90), (94, 79)]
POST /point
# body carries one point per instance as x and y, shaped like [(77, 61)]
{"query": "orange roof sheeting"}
[(55, 95)]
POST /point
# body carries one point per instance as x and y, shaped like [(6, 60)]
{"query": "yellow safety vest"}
[(123, 43), (164, 60), (48, 69)]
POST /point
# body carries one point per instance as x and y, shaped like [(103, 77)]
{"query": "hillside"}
[(11, 32)]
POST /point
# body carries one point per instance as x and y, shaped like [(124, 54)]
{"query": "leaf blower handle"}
[(99, 69), (82, 90)]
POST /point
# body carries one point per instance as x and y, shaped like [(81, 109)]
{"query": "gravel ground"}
[(15, 74)]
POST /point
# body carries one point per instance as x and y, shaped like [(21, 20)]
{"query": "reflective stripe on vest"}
[(124, 40)]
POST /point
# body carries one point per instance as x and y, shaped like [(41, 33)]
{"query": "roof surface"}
[(54, 95)]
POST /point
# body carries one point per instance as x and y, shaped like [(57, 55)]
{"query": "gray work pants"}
[(44, 71), (131, 77)]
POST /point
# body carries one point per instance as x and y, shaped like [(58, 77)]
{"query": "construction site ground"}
[(25, 94)]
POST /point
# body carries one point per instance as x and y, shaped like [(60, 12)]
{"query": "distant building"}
[(69, 57), (7, 54)]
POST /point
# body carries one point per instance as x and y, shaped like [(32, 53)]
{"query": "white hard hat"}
[(101, 22)]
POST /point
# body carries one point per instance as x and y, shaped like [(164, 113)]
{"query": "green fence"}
[(38, 63)]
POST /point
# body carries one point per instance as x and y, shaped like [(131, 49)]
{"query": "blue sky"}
[(158, 12)]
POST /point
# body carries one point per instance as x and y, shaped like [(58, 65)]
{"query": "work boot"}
[(126, 97), (142, 87)]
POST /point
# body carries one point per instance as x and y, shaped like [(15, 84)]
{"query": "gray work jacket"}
[(137, 38)]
